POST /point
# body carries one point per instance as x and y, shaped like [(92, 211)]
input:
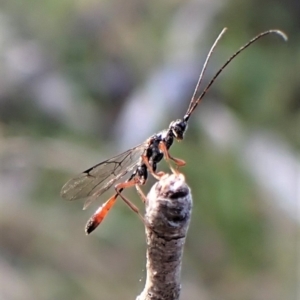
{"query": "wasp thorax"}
[(178, 128)]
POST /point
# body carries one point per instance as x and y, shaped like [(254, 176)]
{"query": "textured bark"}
[(168, 213)]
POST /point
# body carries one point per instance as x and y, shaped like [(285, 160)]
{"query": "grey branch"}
[(168, 214)]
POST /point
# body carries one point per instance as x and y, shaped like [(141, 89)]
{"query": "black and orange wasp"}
[(137, 162)]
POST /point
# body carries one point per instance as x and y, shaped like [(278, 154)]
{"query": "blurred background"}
[(83, 80)]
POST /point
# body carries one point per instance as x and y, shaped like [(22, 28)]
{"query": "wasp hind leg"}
[(141, 193), (119, 187)]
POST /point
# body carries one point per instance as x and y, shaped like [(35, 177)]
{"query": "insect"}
[(137, 162)]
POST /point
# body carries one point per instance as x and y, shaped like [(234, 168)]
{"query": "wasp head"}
[(178, 128)]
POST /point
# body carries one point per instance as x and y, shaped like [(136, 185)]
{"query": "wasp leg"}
[(141, 193), (119, 187), (179, 162), (103, 210), (156, 175)]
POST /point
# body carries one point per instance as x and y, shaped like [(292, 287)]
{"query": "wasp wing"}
[(95, 181)]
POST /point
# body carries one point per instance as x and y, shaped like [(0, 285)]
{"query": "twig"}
[(168, 213)]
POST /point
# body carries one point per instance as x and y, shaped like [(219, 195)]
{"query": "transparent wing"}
[(95, 181)]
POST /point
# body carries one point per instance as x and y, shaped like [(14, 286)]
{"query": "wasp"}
[(137, 162)]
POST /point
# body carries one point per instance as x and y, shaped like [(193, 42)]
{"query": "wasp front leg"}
[(179, 162)]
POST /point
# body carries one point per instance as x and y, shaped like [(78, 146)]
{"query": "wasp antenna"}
[(194, 102), (186, 117), (280, 33)]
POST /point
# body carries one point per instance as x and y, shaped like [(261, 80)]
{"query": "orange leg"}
[(157, 175), (103, 210), (168, 157), (123, 185)]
